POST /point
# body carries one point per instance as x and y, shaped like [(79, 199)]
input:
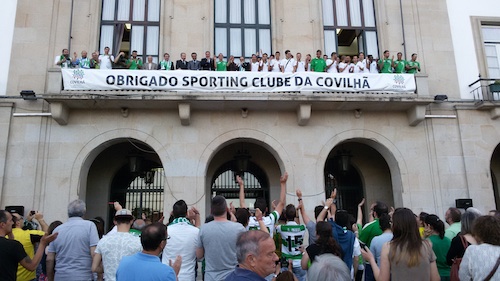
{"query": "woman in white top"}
[(480, 260)]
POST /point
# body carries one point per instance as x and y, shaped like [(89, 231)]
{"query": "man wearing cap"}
[(112, 248), (28, 238)]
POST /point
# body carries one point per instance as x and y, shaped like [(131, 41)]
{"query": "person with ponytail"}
[(406, 257), (325, 244), (434, 230)]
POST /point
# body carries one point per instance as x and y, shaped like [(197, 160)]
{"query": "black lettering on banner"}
[(194, 80), (143, 80), (318, 81), (203, 81), (298, 81), (328, 81), (287, 81), (163, 81), (110, 80), (185, 80), (173, 81), (338, 82), (357, 83), (365, 84), (120, 80), (152, 82), (255, 82), (279, 82), (234, 82), (213, 82), (243, 82), (129, 80), (307, 82)]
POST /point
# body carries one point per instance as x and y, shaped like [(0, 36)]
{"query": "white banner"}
[(215, 81)]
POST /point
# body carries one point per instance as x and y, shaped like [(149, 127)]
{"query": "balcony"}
[(351, 95), (486, 93)]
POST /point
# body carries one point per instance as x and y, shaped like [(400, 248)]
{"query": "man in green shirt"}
[(399, 64), (385, 64), (413, 65), (134, 62), (220, 64), (318, 64)]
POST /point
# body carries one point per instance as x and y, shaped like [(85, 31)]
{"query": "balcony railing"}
[(486, 89)]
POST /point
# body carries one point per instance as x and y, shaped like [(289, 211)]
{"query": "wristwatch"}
[(335, 201), (326, 207)]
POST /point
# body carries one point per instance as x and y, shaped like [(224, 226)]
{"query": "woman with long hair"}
[(406, 256), (325, 244), (434, 230)]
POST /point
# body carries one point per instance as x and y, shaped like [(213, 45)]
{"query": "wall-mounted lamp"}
[(440, 97), (28, 95)]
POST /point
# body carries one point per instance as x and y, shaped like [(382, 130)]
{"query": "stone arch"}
[(253, 137), (384, 146)]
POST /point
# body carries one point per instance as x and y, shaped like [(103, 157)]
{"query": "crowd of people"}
[(254, 244), (260, 62)]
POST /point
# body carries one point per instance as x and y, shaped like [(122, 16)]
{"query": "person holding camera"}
[(64, 60)]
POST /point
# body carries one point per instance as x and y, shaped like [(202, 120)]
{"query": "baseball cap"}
[(123, 213)]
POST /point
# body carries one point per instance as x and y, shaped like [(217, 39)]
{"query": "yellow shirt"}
[(421, 229), (23, 236)]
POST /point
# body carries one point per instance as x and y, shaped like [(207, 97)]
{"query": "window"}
[(145, 195), (128, 25), (350, 27), (491, 37), (242, 27)]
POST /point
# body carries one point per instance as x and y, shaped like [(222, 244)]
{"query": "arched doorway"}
[(358, 171), (495, 174), (130, 172), (249, 158)]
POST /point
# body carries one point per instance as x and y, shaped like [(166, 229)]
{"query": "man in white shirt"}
[(113, 247), (183, 236), (331, 64), (373, 64), (363, 60), (300, 66), (276, 63), (287, 65), (264, 63), (106, 60), (358, 65), (254, 64), (345, 66)]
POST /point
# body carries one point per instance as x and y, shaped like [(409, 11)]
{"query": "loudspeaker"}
[(463, 203), (15, 209)]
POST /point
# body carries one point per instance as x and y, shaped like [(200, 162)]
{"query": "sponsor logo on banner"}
[(399, 81), (78, 77)]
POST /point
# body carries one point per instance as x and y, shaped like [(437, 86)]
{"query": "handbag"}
[(456, 261), (492, 272)]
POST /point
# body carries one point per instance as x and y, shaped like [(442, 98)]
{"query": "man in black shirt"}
[(13, 252)]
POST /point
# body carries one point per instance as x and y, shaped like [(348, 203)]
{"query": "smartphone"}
[(363, 245), (32, 213)]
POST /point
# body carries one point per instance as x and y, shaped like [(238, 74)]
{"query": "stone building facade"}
[(406, 149)]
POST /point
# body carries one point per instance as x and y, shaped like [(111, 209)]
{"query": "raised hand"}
[(361, 203), (284, 178)]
